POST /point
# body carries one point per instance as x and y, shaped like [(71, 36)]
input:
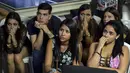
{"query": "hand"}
[(9, 39), (45, 28), (12, 31), (102, 41), (37, 25), (41, 26), (85, 23)]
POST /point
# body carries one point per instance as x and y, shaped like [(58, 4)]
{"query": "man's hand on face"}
[(41, 26), (37, 25)]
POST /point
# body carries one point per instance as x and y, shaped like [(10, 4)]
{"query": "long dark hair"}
[(19, 32), (92, 25), (73, 47), (117, 25), (116, 15), (92, 28)]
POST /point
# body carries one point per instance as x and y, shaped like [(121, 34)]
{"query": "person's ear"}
[(117, 36), (50, 16), (18, 26)]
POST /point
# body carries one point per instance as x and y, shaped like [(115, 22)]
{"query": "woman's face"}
[(86, 14), (110, 33), (64, 33), (12, 24), (107, 17)]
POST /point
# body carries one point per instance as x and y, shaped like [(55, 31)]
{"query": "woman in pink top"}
[(110, 52)]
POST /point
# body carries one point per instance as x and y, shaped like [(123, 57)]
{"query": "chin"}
[(62, 40), (108, 42)]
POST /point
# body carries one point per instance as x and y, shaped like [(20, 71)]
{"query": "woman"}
[(110, 52), (87, 29), (16, 42), (98, 6), (64, 49), (111, 13)]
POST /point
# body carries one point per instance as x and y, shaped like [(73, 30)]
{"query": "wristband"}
[(52, 70)]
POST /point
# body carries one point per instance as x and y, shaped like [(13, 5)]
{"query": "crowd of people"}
[(79, 41)]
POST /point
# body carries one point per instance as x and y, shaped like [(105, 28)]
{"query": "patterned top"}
[(110, 61), (65, 59)]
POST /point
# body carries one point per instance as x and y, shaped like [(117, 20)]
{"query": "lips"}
[(62, 38)]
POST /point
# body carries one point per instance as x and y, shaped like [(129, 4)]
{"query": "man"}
[(41, 28)]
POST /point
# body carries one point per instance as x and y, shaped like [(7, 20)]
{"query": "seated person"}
[(110, 52), (111, 13), (42, 27), (16, 42), (87, 29), (64, 49)]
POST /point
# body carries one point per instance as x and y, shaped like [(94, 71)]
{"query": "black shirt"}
[(53, 26)]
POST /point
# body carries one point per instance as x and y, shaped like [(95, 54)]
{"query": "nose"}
[(41, 16), (11, 26), (106, 34), (106, 19), (63, 33)]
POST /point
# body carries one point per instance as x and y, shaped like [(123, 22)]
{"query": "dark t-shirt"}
[(53, 25)]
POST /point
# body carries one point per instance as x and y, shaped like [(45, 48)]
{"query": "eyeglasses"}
[(40, 14)]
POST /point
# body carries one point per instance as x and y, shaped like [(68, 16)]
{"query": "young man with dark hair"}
[(41, 28)]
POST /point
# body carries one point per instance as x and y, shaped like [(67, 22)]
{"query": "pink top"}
[(114, 62)]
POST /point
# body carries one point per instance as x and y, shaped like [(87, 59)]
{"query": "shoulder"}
[(31, 21), (55, 18), (2, 28), (125, 50)]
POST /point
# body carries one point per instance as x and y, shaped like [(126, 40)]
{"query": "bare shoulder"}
[(125, 49)]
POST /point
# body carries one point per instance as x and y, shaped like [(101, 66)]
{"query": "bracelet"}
[(98, 53), (52, 70), (9, 45), (50, 35)]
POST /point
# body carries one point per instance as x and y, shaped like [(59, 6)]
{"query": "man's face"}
[(43, 16)]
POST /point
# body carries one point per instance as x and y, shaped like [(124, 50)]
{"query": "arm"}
[(49, 56), (8, 44), (124, 60), (14, 41), (94, 52), (37, 40), (93, 58), (46, 30)]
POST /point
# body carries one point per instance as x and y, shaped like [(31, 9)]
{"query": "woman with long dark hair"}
[(111, 13), (64, 49), (87, 29), (110, 52), (16, 42)]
